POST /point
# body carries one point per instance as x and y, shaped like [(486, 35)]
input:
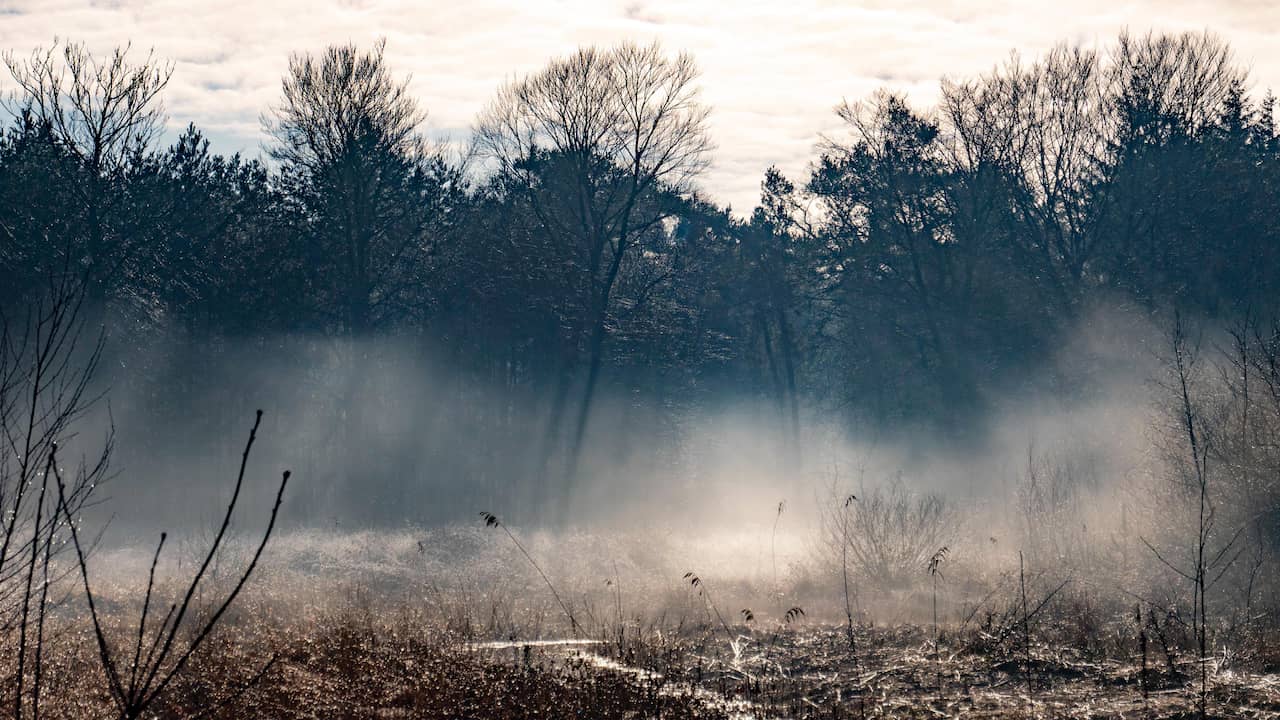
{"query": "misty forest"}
[(978, 416)]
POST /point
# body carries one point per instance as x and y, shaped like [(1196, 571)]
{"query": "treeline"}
[(931, 258)]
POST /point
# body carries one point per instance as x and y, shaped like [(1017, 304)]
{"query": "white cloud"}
[(772, 70)]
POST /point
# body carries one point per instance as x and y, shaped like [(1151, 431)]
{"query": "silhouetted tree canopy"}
[(931, 259)]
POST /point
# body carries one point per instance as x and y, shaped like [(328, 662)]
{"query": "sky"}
[(772, 71)]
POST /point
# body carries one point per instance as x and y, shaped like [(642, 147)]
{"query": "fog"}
[(423, 455), (663, 490)]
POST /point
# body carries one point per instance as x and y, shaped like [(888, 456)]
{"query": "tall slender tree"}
[(593, 142)]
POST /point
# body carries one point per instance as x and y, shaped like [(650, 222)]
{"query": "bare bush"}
[(893, 531), (137, 679)]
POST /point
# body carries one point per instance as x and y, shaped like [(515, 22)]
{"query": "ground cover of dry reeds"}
[(367, 654), (350, 668)]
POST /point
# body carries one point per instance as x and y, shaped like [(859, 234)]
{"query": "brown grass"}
[(393, 661)]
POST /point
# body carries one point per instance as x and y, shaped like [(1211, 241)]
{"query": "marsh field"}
[(458, 623)]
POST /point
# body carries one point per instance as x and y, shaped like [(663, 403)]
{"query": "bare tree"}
[(346, 131), (1162, 84), (594, 141), (1042, 130), (46, 375), (1214, 552), (335, 102), (104, 111)]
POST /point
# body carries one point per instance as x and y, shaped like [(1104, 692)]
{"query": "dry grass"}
[(380, 663), (396, 625), (352, 667)]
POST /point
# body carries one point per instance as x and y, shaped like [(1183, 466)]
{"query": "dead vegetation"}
[(407, 664)]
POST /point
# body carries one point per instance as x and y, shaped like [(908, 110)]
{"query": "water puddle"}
[(518, 644), (579, 650)]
